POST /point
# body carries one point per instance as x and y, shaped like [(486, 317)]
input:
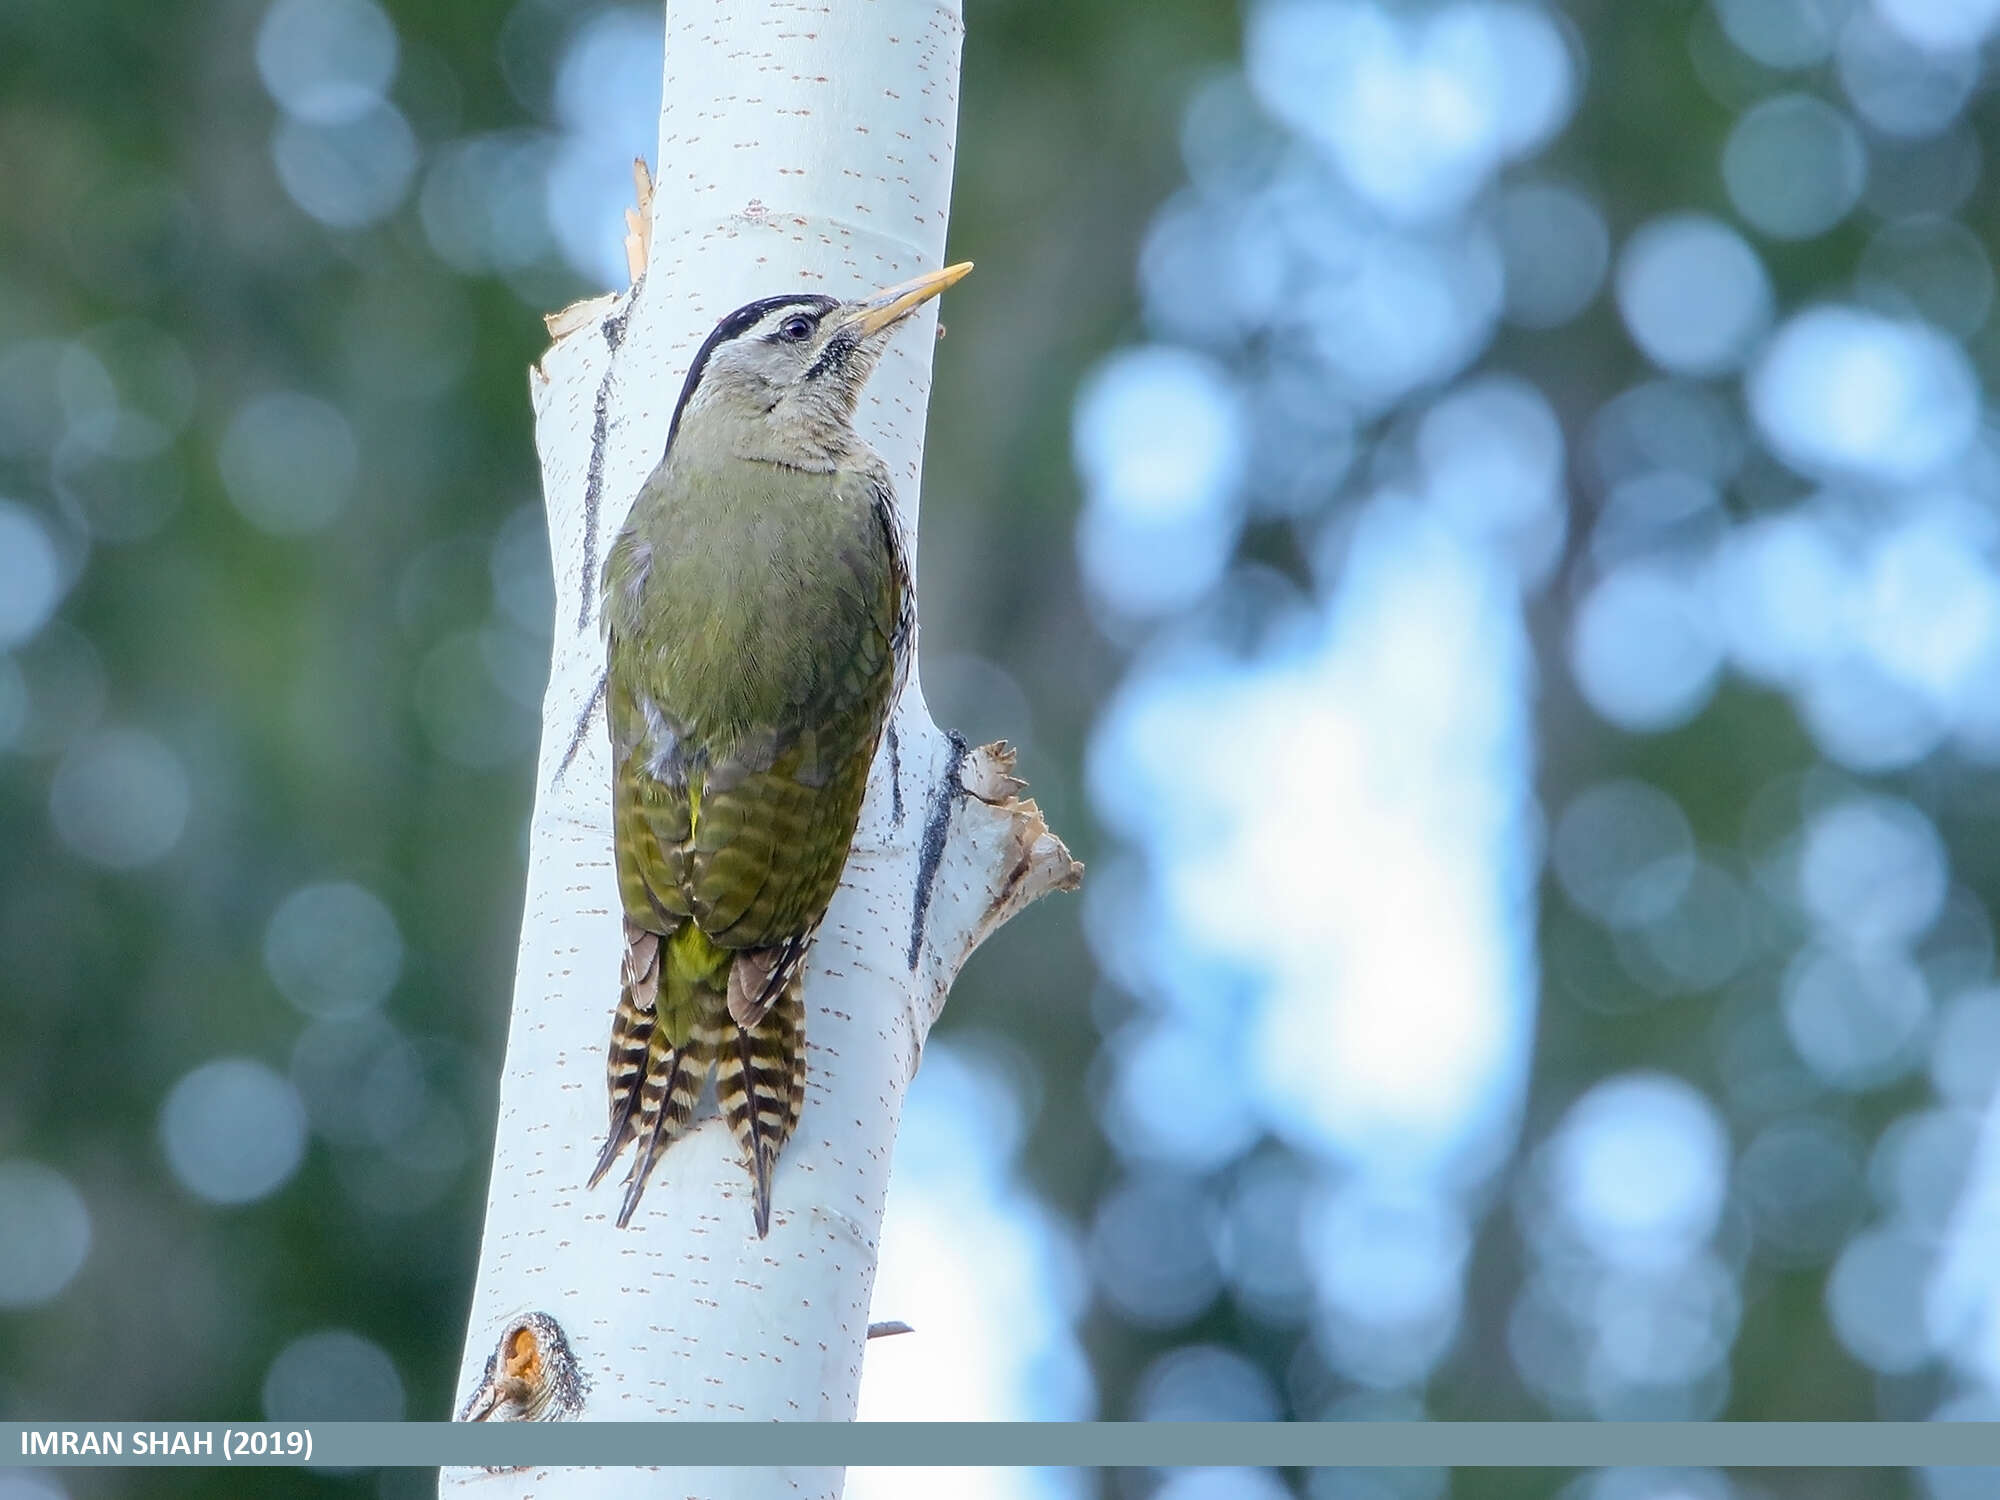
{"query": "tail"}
[(654, 1084), (674, 1076), (760, 1086), (631, 1039)]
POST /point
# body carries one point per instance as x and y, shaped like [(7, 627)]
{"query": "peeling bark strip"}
[(613, 329), (944, 797), (895, 778), (583, 722), (587, 574), (686, 1314)]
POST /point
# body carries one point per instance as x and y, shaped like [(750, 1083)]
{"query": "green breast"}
[(752, 613), (741, 591)]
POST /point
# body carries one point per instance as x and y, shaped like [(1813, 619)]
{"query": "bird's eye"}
[(796, 329)]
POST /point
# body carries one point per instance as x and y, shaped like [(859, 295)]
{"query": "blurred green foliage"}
[(288, 673)]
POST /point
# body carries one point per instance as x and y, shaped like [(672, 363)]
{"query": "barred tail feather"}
[(792, 1012), (758, 976), (674, 1077), (760, 1068), (760, 1088), (631, 1038), (654, 1084)]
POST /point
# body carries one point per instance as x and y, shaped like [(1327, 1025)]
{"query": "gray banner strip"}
[(1556, 1445)]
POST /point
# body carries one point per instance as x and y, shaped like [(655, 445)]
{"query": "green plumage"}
[(756, 617), (758, 621)]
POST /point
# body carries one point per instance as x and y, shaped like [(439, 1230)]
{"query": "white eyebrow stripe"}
[(778, 317)]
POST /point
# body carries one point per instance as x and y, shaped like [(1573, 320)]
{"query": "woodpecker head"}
[(779, 378)]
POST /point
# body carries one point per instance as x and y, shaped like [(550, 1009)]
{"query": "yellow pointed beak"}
[(896, 302)]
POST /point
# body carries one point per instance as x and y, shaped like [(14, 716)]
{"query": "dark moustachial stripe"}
[(836, 351), (734, 325)]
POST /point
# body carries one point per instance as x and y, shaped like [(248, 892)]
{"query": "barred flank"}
[(760, 1087)]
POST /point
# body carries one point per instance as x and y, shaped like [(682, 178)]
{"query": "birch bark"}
[(801, 144)]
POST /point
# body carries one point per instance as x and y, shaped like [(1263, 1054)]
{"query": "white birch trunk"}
[(800, 145)]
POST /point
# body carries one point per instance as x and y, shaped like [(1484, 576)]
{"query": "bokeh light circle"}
[(333, 1375), (1693, 294), (120, 799), (1843, 393), (31, 574), (1639, 1167), (1794, 166), (1644, 648), (333, 949), (288, 462), (233, 1130), (326, 61), (44, 1234)]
